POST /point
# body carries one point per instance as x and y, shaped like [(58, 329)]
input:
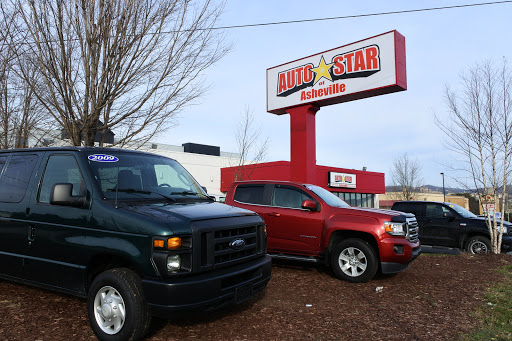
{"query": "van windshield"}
[(329, 198), (122, 175)]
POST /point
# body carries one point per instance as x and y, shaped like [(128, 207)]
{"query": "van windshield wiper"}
[(137, 191), (185, 193)]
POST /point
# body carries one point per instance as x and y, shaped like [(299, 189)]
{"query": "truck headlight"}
[(395, 229), (173, 263), (504, 229)]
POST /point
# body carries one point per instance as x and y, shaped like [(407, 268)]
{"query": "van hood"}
[(187, 211)]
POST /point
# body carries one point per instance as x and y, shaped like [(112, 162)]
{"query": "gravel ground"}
[(432, 300)]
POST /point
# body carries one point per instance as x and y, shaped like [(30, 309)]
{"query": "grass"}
[(496, 316)]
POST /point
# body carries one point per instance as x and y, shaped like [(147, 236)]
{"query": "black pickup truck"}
[(449, 225)]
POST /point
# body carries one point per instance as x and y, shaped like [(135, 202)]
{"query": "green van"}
[(132, 232)]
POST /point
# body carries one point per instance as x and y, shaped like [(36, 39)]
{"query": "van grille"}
[(226, 249), (412, 230), (226, 246)]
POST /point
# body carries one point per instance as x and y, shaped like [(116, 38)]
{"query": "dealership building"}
[(215, 170)]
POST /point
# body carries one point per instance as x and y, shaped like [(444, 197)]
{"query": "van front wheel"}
[(354, 260), (116, 306)]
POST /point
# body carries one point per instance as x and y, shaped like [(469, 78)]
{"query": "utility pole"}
[(444, 191)]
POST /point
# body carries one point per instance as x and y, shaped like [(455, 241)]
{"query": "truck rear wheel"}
[(354, 260), (116, 306)]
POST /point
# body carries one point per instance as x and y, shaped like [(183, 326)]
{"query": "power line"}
[(318, 19), (358, 15)]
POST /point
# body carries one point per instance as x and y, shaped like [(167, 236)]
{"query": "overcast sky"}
[(370, 132)]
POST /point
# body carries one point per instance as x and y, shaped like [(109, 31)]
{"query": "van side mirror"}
[(309, 205), (62, 194)]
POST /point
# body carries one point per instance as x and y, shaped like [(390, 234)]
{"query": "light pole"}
[(444, 192)]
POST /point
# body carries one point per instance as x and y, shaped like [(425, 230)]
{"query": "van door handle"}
[(274, 214)]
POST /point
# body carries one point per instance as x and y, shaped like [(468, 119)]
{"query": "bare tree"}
[(120, 65), (20, 112), (406, 177), (251, 147), (479, 130)]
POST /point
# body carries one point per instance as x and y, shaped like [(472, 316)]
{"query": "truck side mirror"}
[(62, 194), (309, 205), (449, 215)]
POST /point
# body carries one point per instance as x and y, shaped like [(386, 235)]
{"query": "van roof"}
[(74, 148)]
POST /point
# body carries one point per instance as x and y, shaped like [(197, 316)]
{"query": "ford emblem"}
[(237, 244)]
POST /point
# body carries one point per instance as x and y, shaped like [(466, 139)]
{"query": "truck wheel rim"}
[(478, 247), (109, 310), (352, 262)]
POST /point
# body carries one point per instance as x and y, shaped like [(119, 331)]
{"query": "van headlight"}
[(173, 263), (395, 229)]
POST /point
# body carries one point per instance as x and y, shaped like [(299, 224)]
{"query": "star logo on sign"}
[(322, 70)]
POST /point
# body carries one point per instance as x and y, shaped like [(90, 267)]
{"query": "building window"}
[(357, 199)]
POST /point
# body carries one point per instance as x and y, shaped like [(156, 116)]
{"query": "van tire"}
[(354, 260), (116, 306)]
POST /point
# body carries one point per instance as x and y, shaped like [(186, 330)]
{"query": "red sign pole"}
[(303, 143)]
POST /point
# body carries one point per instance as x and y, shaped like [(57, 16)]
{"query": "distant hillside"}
[(432, 188)]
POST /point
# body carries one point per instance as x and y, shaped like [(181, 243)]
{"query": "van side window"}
[(3, 159), (15, 179), (288, 197), (61, 169), (250, 194)]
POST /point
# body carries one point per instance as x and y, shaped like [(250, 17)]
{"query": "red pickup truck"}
[(309, 223)]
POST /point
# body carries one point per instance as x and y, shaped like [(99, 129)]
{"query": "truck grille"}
[(412, 230)]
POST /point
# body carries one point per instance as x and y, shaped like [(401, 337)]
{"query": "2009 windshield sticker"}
[(102, 158)]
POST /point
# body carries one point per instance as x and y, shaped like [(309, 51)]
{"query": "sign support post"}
[(370, 67), (303, 143)]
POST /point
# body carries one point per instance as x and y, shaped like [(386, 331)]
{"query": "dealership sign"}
[(370, 67), (342, 180)]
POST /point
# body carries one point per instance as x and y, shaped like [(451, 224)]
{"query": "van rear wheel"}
[(116, 306), (354, 260)]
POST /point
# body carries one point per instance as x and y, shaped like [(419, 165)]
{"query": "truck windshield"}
[(462, 211), (329, 198), (134, 176)]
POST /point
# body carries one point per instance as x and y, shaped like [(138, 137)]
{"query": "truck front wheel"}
[(354, 260), (478, 244), (116, 306)]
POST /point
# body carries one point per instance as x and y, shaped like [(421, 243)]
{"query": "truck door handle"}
[(274, 214), (31, 233)]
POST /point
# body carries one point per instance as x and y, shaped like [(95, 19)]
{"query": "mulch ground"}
[(434, 299)]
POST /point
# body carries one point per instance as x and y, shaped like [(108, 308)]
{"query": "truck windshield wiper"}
[(137, 191)]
